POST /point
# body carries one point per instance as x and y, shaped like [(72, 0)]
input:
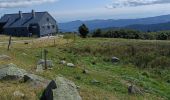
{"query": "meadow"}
[(144, 63)]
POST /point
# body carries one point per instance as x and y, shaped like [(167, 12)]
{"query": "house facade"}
[(26, 24)]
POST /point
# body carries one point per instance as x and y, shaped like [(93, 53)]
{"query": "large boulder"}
[(11, 71), (66, 90), (49, 63), (35, 80)]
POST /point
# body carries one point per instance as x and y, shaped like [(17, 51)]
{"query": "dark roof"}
[(14, 20)]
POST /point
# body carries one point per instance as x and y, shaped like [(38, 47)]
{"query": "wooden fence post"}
[(9, 42)]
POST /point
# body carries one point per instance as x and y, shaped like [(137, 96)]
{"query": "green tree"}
[(97, 33), (83, 30)]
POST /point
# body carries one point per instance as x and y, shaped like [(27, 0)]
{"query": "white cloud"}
[(22, 3), (134, 3)]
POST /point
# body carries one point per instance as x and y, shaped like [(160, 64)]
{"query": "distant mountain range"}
[(157, 23)]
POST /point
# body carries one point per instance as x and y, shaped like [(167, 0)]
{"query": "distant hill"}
[(94, 24), (150, 27)]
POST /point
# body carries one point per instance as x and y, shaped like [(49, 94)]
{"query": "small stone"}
[(134, 90), (39, 68), (5, 57), (85, 71), (42, 62), (24, 54), (63, 62), (18, 94), (70, 65), (94, 81), (115, 59)]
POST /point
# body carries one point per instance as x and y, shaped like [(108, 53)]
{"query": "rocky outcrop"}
[(66, 90), (11, 71)]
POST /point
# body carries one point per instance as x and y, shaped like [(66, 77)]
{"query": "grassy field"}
[(143, 63)]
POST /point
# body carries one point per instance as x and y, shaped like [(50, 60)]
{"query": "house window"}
[(53, 26), (48, 19), (48, 27)]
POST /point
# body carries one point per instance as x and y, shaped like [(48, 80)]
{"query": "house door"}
[(1, 27), (33, 29)]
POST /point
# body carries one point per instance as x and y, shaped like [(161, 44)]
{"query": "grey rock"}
[(42, 62), (11, 71), (24, 54), (94, 81), (85, 71), (40, 68), (66, 90), (70, 65), (35, 81), (134, 90), (63, 62), (19, 94), (115, 59), (5, 57)]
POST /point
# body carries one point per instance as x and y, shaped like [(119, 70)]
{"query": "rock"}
[(115, 59), (48, 93), (63, 62), (94, 81), (134, 90), (42, 62), (24, 54), (85, 71), (40, 68), (5, 57), (66, 90), (18, 94), (11, 71), (35, 81), (70, 65)]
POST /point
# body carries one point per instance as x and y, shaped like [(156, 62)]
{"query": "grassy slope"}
[(94, 55)]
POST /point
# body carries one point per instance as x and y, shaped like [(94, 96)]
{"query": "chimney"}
[(33, 13), (20, 14)]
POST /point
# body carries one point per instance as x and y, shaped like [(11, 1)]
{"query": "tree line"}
[(124, 33)]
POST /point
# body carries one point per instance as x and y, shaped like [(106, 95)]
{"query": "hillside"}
[(143, 63), (150, 27), (94, 24)]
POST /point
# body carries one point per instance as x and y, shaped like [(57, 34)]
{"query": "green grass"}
[(137, 66)]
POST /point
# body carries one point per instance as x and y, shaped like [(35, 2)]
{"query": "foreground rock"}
[(66, 90), (5, 57), (12, 72)]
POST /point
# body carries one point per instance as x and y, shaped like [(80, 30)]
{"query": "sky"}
[(70, 10)]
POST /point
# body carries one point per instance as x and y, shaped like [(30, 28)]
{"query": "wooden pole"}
[(9, 42), (45, 58)]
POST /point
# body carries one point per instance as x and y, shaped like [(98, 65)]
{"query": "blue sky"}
[(68, 10)]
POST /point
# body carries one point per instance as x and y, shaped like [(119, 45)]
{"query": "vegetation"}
[(144, 63), (131, 34), (83, 30)]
